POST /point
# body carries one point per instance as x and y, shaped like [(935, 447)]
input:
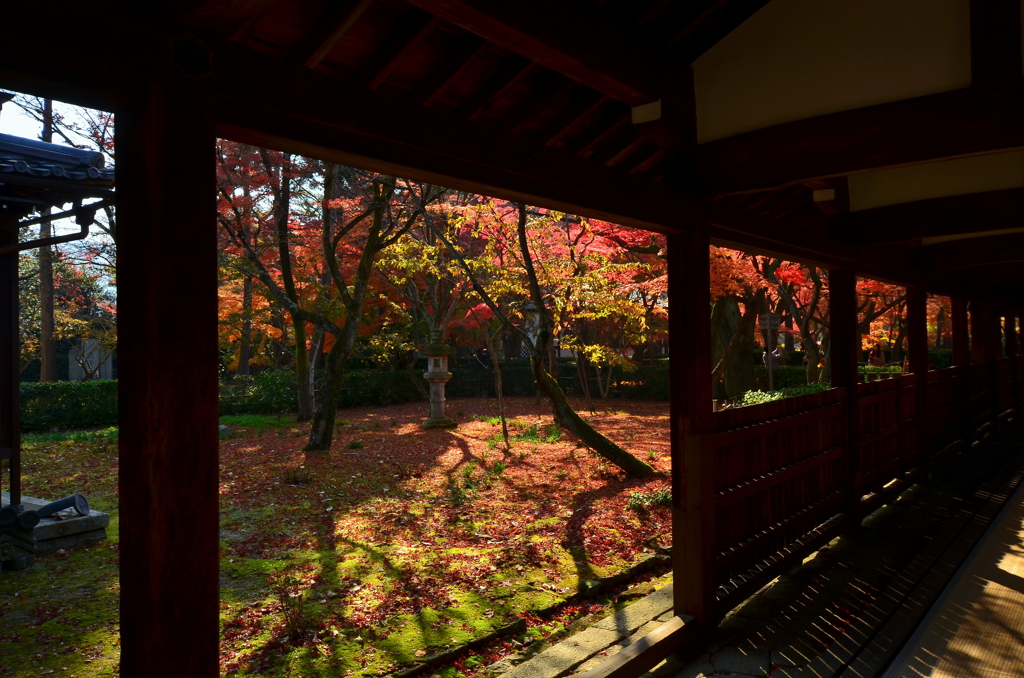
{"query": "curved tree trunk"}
[(566, 417)]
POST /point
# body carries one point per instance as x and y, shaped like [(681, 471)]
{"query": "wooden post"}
[(842, 293), (961, 333), (693, 510), (167, 350), (979, 330), (10, 357), (917, 341), (962, 363), (1010, 337)]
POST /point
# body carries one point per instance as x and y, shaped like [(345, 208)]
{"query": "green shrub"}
[(641, 501), (68, 405), (646, 382), (758, 397), (784, 377)]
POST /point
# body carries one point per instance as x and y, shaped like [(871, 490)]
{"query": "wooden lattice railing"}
[(787, 476), (778, 478)]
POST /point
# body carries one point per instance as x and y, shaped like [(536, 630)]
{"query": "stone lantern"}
[(437, 375)]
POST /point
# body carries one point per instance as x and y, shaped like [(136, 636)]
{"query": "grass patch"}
[(108, 434), (258, 422), (353, 565)]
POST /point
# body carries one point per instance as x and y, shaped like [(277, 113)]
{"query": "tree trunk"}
[(581, 372), (497, 386), (302, 382), (563, 413), (47, 343), (245, 342), (567, 418), (321, 432)]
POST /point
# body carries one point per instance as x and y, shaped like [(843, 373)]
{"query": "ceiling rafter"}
[(451, 68), (612, 141), (551, 86), (508, 74), (585, 104), (403, 41), (610, 120), (331, 28), (931, 127), (716, 22), (571, 41), (972, 213)]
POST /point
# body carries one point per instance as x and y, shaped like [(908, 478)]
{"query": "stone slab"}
[(64, 529), (629, 619)]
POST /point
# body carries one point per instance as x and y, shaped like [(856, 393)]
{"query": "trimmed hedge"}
[(68, 405), (272, 392)]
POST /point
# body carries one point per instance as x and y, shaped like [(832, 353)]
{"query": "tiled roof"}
[(31, 158)]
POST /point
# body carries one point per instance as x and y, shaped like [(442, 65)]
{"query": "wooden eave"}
[(532, 101)]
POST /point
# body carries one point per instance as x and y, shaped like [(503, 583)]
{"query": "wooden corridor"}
[(866, 137), (976, 627)]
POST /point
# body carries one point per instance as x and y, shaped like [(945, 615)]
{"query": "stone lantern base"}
[(437, 418)]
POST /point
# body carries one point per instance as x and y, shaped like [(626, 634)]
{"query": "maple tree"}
[(544, 306), (362, 215)]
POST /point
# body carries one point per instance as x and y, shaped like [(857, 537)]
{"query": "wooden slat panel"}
[(739, 492)]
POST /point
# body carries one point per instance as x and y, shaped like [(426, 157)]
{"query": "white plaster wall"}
[(959, 176), (797, 59)]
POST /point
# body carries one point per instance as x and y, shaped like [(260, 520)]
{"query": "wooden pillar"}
[(962, 363), (979, 330), (917, 341), (167, 352), (845, 346), (10, 356), (1010, 337), (693, 511), (961, 333)]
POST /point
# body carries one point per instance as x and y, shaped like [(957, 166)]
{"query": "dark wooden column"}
[(10, 357), (1010, 337), (167, 353), (961, 333), (917, 341), (980, 342), (845, 343), (693, 511), (962, 363)]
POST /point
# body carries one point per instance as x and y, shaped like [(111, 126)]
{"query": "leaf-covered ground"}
[(400, 544)]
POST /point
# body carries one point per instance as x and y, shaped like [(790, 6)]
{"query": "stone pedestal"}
[(62, 530), (437, 375)]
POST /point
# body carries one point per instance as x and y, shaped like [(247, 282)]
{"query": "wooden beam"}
[(959, 254), (585, 104), (925, 128), (716, 22), (509, 73), (952, 215), (167, 388), (404, 40), (565, 38), (995, 46), (430, 146), (453, 66), (331, 28)]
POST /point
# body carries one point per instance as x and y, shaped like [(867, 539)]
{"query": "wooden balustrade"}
[(780, 470)]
